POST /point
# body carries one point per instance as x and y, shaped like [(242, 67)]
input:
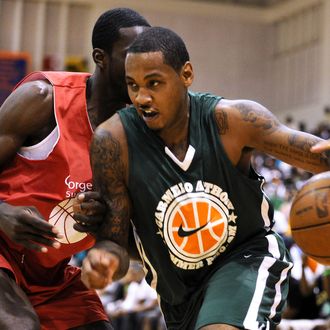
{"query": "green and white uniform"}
[(204, 228)]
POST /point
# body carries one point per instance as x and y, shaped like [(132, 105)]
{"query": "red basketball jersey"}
[(49, 184), (54, 287)]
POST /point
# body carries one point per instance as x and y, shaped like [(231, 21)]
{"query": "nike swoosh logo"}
[(184, 233)]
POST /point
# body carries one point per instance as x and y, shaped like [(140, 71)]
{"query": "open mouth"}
[(148, 113)]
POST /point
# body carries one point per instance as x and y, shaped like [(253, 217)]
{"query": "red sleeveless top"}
[(51, 183)]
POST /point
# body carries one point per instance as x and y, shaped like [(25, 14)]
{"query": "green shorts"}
[(250, 290)]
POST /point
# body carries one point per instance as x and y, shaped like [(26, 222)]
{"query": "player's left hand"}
[(98, 268), (89, 210)]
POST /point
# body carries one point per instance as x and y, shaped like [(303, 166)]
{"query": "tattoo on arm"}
[(288, 145), (303, 144), (298, 149), (108, 175), (221, 120), (258, 117)]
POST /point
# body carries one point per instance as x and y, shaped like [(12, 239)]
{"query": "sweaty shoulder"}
[(112, 126), (239, 106), (26, 117), (28, 108)]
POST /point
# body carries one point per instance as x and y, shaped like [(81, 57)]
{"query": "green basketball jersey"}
[(190, 216)]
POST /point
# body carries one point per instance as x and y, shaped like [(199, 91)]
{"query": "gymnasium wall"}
[(278, 56)]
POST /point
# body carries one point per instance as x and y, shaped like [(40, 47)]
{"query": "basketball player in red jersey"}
[(46, 125)]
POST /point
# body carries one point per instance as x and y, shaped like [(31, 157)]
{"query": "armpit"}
[(42, 149)]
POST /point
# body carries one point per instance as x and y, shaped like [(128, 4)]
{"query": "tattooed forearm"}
[(290, 152), (107, 166), (221, 120), (301, 146), (297, 153), (258, 117), (302, 143)]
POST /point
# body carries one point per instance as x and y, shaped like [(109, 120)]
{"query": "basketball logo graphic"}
[(61, 218), (321, 201), (197, 226)]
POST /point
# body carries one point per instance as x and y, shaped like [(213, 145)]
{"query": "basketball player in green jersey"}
[(177, 164)]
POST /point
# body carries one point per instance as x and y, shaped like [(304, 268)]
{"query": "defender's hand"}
[(98, 268), (89, 210), (25, 226)]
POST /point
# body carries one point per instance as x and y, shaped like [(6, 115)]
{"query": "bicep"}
[(109, 178)]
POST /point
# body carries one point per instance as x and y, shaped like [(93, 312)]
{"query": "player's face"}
[(158, 92), (117, 60)]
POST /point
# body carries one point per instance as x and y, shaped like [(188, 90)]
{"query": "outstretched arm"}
[(108, 260), (246, 124)]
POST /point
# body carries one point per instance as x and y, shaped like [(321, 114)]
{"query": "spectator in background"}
[(307, 299), (139, 309), (289, 122), (305, 287)]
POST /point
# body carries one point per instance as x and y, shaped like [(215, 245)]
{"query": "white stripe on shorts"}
[(278, 295), (250, 321), (274, 250)]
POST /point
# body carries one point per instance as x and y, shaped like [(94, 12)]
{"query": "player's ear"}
[(99, 57), (187, 74)]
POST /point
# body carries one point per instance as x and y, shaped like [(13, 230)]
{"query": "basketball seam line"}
[(310, 226)]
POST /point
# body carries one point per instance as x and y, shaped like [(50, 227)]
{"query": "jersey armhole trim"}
[(42, 149)]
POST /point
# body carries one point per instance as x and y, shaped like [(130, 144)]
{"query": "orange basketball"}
[(310, 218)]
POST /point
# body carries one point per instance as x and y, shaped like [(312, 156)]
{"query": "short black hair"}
[(106, 28), (159, 39)]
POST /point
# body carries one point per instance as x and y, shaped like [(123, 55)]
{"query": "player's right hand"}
[(25, 226), (98, 268)]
